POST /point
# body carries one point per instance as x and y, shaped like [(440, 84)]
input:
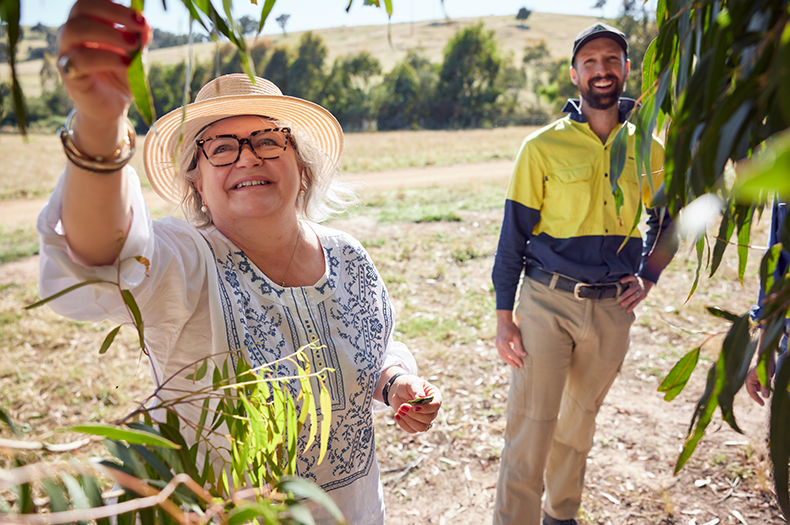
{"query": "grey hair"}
[(324, 195)]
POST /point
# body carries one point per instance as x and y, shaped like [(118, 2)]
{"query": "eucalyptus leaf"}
[(678, 377), (137, 437)]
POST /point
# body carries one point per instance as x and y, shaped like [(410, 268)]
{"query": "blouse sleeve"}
[(166, 290)]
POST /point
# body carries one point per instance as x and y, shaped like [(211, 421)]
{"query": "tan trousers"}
[(576, 348)]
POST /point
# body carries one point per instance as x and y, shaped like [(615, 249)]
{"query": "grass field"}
[(434, 248)]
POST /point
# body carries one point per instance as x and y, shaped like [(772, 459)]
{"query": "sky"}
[(320, 14)]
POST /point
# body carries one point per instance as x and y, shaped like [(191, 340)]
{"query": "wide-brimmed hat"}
[(232, 96), (599, 30)]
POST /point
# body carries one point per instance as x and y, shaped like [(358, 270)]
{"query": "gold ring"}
[(67, 67)]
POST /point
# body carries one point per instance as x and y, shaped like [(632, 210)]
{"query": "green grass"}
[(17, 242), (434, 204)]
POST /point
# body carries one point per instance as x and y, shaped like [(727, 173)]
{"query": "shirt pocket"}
[(569, 194)]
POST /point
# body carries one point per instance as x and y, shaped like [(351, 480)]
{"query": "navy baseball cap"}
[(599, 30)]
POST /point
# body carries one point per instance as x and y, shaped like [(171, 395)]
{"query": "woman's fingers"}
[(93, 33)]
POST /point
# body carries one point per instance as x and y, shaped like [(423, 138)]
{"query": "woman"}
[(246, 273)]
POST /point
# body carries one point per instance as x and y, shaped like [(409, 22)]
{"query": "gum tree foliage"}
[(522, 15), (306, 73), (405, 94), (282, 21), (467, 90), (346, 92), (719, 75)]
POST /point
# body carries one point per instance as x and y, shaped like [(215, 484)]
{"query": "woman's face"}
[(250, 188)]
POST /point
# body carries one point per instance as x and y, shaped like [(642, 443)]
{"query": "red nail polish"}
[(131, 38), (138, 17), (397, 417), (417, 409), (126, 60)]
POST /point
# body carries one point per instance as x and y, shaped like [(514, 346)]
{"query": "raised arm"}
[(95, 46)]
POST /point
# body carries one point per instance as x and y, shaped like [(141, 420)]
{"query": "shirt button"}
[(313, 338), (605, 174)]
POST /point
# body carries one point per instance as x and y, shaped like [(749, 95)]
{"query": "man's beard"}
[(597, 101)]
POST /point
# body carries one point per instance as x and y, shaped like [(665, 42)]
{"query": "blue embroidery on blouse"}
[(351, 316)]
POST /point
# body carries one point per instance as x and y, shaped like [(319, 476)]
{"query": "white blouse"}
[(202, 296)]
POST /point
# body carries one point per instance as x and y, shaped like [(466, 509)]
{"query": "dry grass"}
[(434, 247)]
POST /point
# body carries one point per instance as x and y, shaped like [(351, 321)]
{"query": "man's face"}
[(600, 71)]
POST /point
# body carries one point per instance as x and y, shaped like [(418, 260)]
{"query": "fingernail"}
[(131, 38), (397, 417), (138, 17), (126, 60), (417, 409), (405, 409)]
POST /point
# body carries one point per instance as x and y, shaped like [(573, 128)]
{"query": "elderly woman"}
[(249, 272)]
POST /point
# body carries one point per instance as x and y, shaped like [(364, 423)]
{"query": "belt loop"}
[(553, 283), (619, 290)]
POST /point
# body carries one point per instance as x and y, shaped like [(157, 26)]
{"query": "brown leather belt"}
[(579, 289)]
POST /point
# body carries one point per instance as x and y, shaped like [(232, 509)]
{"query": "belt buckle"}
[(576, 289)]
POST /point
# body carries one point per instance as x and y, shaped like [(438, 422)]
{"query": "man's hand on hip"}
[(636, 292), (508, 339)]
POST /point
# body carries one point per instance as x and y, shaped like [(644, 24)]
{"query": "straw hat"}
[(231, 96)]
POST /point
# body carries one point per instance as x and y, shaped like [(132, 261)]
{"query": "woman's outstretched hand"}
[(414, 417), (95, 48)]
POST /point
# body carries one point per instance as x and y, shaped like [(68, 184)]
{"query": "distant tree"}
[(467, 91), (558, 87), (306, 73), (277, 69), (249, 26), (640, 29), (537, 61), (399, 107), (282, 20), (599, 4), (346, 91), (523, 14), (40, 28)]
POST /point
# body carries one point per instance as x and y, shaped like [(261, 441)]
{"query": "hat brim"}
[(164, 139)]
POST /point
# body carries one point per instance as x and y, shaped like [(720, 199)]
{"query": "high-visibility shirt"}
[(561, 215)]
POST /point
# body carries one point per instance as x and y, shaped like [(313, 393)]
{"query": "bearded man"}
[(586, 270)]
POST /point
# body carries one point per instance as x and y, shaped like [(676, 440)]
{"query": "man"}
[(569, 333)]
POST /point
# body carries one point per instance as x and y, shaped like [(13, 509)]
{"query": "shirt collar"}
[(574, 110)]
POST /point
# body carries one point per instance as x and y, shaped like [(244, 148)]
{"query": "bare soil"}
[(448, 475)]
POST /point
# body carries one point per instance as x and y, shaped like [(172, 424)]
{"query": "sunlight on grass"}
[(17, 242)]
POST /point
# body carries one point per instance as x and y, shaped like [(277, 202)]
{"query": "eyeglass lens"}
[(226, 149)]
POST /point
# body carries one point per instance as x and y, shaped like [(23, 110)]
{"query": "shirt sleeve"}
[(660, 242), (522, 214)]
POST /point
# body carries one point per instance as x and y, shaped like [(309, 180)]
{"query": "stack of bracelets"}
[(100, 164)]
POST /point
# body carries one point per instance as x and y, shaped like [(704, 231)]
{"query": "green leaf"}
[(64, 292), (109, 339), (617, 159), (138, 82), (326, 420), (57, 498), (678, 377), (78, 497), (726, 229), (128, 298), (700, 253), (267, 8), (737, 352), (768, 266), (308, 490), (706, 406), (200, 373), (92, 492), (5, 418), (10, 14), (767, 173), (780, 438), (152, 460), (130, 461), (131, 436), (722, 314), (744, 225)]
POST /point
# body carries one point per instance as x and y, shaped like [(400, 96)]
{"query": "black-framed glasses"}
[(224, 150)]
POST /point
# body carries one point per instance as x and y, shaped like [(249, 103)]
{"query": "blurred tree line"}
[(476, 85)]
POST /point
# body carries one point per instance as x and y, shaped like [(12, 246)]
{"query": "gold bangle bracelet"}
[(100, 164)]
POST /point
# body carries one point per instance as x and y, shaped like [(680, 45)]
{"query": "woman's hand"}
[(414, 418), (95, 47)]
